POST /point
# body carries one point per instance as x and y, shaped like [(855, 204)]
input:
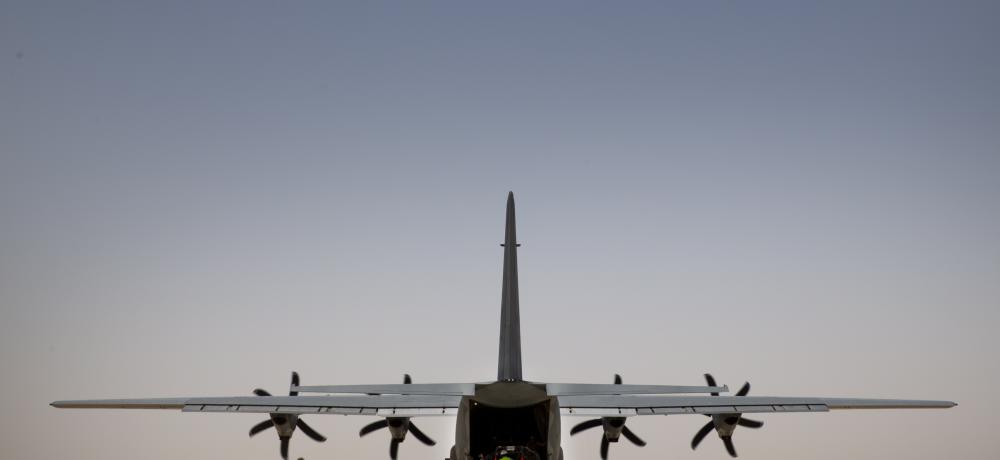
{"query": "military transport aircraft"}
[(510, 418)]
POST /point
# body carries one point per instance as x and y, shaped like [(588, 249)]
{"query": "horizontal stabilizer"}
[(580, 389), (441, 389)]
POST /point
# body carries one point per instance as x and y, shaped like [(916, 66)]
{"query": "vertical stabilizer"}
[(509, 367)]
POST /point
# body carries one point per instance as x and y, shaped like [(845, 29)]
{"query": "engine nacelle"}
[(398, 427), (725, 424), (613, 427), (284, 424)]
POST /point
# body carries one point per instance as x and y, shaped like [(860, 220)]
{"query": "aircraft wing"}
[(625, 405), (385, 405)]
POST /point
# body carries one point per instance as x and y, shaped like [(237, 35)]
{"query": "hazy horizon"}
[(197, 199)]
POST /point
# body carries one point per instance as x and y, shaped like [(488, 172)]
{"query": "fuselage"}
[(515, 419)]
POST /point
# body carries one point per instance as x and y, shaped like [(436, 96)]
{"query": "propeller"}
[(725, 424), (613, 427), (398, 427), (285, 424)]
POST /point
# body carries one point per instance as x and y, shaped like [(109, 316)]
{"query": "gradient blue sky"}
[(198, 197)]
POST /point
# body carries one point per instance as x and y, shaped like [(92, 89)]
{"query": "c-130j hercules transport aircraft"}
[(510, 417)]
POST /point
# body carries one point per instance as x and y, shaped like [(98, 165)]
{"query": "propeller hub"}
[(284, 424), (725, 424), (398, 427), (613, 427)]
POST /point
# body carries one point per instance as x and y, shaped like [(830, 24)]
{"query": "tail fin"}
[(509, 367)]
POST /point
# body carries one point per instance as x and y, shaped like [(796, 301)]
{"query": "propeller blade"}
[(284, 448), (632, 437), (374, 426), (618, 379), (744, 390), (309, 431), (711, 382), (393, 449), (295, 383), (701, 434), (406, 379), (728, 441), (604, 447), (420, 435), (585, 426), (261, 427), (260, 392), (745, 422)]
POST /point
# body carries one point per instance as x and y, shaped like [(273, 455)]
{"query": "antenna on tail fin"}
[(509, 367)]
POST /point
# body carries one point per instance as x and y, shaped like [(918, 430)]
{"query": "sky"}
[(197, 198)]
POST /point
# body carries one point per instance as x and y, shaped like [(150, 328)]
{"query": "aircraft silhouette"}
[(509, 418)]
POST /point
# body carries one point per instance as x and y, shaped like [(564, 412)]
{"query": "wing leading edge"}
[(603, 405), (622, 405), (389, 405)]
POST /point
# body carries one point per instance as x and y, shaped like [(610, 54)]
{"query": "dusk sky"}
[(197, 198)]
